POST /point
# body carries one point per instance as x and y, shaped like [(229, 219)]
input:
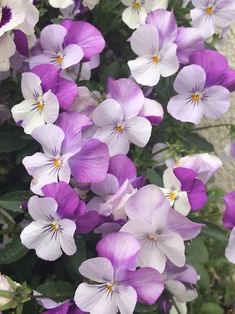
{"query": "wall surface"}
[(225, 178)]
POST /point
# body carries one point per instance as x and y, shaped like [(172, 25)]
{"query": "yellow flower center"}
[(57, 163), (172, 196), (155, 59), (152, 237), (59, 59), (136, 6), (196, 97), (55, 226), (119, 128), (110, 287), (209, 11), (39, 106)]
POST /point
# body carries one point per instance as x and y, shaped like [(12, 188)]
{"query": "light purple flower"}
[(55, 51), (211, 14), (195, 99), (119, 284), (229, 222), (48, 234), (230, 149), (38, 108), (118, 120), (65, 90), (160, 229), (65, 153), (206, 165), (183, 190)]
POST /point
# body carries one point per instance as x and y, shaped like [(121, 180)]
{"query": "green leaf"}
[(58, 291), (76, 259), (215, 232), (144, 308), (11, 141), (12, 201), (196, 140), (154, 177), (197, 251), (12, 252), (209, 308)]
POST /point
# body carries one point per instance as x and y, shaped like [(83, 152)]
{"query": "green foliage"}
[(58, 291)]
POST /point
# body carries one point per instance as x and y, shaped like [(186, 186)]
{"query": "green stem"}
[(8, 231), (213, 126), (19, 309)]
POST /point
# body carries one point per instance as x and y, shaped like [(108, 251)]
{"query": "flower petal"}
[(138, 130)]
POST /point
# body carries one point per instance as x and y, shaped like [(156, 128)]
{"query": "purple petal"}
[(21, 43), (90, 165), (87, 222), (183, 226), (66, 198), (52, 37), (66, 93), (197, 196), (122, 167), (166, 24), (188, 40), (185, 274), (126, 93), (85, 35), (120, 248), (186, 177), (61, 309), (213, 63), (147, 282), (229, 211), (152, 110), (228, 80), (72, 124)]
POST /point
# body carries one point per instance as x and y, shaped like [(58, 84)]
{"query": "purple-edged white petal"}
[(52, 37), (120, 248), (107, 187), (30, 85), (73, 54), (152, 110), (41, 208)]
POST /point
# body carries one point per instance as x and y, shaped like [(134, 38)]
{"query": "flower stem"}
[(19, 309), (228, 125)]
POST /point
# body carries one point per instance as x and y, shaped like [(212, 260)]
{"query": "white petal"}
[(169, 64), (230, 250), (67, 241), (51, 107), (133, 18), (30, 85), (31, 234), (170, 180), (126, 299), (138, 131), (203, 22), (109, 112), (182, 204), (49, 247), (41, 208)]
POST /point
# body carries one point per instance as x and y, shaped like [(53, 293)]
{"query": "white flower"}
[(90, 4), (60, 4), (7, 48), (38, 108), (48, 234)]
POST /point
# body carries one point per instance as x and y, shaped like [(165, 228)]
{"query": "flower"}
[(166, 46), (136, 11), (211, 14), (119, 284), (61, 4), (5, 286), (160, 229), (52, 40), (8, 49), (38, 108), (64, 153), (48, 234), (183, 191), (118, 120), (196, 98), (90, 4), (229, 222)]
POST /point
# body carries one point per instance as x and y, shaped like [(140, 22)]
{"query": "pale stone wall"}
[(225, 178)]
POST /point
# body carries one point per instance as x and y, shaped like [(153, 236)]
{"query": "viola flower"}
[(118, 284), (118, 122), (230, 149), (183, 190), (52, 40), (64, 152), (48, 234), (137, 10), (196, 99), (166, 46), (160, 229), (38, 108), (8, 49), (211, 14), (205, 165), (229, 223)]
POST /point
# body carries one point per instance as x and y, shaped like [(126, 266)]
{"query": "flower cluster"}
[(84, 176)]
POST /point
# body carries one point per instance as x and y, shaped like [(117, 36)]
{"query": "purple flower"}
[(65, 90), (160, 229), (64, 153), (211, 14), (67, 307), (55, 52), (120, 122), (195, 98), (183, 190), (229, 222), (38, 108), (206, 165), (119, 284), (86, 36), (48, 234), (216, 67)]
